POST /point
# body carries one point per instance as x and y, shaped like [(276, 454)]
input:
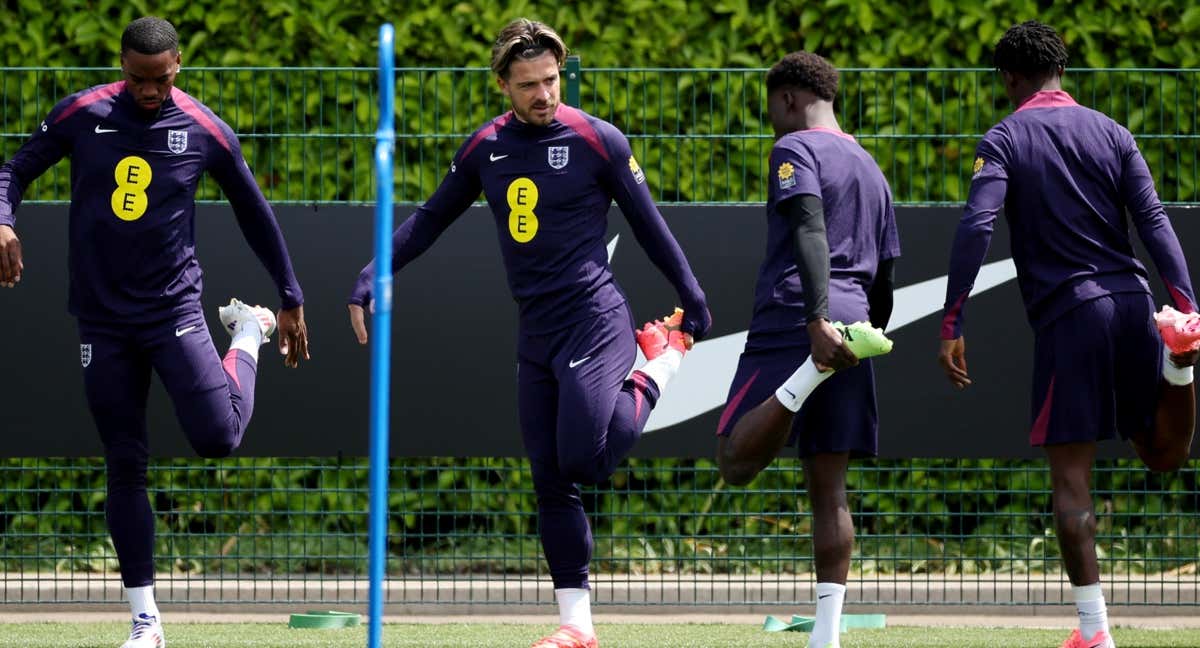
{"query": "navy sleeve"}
[(48, 144), (805, 216), (989, 185), (1153, 227), (454, 195), (254, 216), (627, 183)]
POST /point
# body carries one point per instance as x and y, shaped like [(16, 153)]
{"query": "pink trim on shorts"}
[(734, 402), (1041, 426)]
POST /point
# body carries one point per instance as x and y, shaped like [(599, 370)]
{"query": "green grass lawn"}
[(259, 635)]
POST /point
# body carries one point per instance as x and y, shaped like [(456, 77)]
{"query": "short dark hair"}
[(804, 70), (525, 39), (149, 35), (1031, 49)]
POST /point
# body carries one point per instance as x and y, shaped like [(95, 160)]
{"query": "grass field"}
[(260, 635)]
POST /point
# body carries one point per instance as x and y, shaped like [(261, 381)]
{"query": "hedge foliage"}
[(701, 134), (478, 516), (629, 33)]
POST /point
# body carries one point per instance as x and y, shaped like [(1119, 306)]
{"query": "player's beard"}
[(538, 114)]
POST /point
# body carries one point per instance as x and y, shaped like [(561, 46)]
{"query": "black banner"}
[(455, 324)]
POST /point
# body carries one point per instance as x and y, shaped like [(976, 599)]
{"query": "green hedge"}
[(655, 516), (656, 33), (701, 135)]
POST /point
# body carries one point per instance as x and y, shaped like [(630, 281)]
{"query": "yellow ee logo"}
[(522, 199), (133, 176)]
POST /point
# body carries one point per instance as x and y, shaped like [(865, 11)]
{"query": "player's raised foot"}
[(1179, 331), (147, 632), (567, 637), (237, 314), (863, 340), (1100, 640), (656, 337)]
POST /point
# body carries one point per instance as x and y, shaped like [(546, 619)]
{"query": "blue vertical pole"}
[(381, 335)]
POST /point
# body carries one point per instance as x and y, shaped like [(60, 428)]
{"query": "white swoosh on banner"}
[(708, 369)]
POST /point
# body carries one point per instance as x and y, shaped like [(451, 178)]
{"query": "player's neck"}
[(819, 116)]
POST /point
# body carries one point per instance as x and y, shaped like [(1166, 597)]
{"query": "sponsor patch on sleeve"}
[(787, 175), (636, 170)]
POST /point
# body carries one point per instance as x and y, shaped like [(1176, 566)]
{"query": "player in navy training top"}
[(1067, 176), (549, 172), (831, 245), (138, 148)]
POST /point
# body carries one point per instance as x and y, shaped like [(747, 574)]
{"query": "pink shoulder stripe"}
[(89, 98), (575, 120), (188, 105), (486, 132)]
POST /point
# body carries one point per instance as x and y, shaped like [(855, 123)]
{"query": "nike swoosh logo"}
[(575, 363), (709, 367), (101, 131), (493, 157), (184, 331)]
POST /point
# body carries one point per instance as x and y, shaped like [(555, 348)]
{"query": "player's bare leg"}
[(833, 541), (754, 442), (1074, 517), (1167, 445), (1075, 525), (759, 434)]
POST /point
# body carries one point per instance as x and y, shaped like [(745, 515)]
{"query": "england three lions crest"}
[(177, 141), (85, 354), (559, 156)]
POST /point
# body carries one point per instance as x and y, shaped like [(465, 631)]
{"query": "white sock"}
[(802, 383), (828, 627), (248, 338), (1178, 376), (1093, 615), (141, 601), (575, 607), (663, 368)]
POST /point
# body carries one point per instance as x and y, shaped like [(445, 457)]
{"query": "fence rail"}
[(666, 533)]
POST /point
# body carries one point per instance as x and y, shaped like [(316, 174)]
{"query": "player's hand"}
[(827, 350), (11, 263), (293, 336), (358, 320), (953, 358)]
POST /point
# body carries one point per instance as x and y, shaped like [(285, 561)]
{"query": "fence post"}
[(574, 76)]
